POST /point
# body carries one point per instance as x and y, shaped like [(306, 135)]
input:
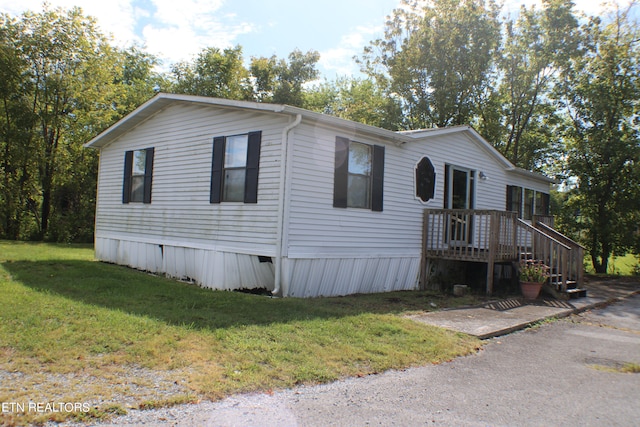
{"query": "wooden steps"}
[(554, 287)]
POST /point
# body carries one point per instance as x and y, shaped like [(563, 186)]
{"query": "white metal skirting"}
[(304, 277), (310, 277), (209, 268)]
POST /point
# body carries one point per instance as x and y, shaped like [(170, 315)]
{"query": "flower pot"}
[(530, 290)]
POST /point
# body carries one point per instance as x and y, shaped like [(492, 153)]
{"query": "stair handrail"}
[(577, 260), (500, 236), (569, 241), (558, 253), (535, 230)]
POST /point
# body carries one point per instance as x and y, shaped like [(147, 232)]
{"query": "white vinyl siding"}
[(183, 139), (210, 268), (325, 250), (318, 229)]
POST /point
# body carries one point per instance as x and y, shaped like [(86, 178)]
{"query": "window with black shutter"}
[(358, 175), (138, 176), (234, 168)]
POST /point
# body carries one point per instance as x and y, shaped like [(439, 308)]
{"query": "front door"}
[(459, 195)]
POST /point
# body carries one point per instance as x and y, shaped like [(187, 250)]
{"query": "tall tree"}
[(122, 80), (63, 54), (136, 79), (215, 72), (16, 121), (536, 48), (59, 91), (281, 81), (360, 100), (438, 57), (600, 93)]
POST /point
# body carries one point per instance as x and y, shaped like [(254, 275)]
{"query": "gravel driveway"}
[(559, 373)]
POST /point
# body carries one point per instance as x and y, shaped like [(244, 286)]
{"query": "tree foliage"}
[(600, 93), (360, 100), (60, 77), (217, 73), (281, 81), (222, 74), (17, 120), (551, 89), (519, 116), (437, 57)]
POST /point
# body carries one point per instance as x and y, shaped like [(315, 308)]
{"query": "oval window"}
[(425, 179)]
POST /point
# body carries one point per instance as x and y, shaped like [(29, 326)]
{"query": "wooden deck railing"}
[(469, 234), (574, 268), (497, 236), (536, 245)]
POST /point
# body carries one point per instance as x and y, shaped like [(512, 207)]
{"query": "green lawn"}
[(619, 266), (76, 330)]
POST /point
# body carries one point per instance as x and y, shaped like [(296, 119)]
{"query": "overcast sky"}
[(176, 30)]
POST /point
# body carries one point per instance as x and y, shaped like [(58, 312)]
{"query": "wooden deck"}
[(492, 236)]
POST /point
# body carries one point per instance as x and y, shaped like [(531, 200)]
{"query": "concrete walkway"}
[(505, 316)]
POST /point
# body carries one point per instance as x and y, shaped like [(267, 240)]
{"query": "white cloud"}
[(340, 59), (589, 7), (181, 29), (114, 17), (176, 30), (185, 13)]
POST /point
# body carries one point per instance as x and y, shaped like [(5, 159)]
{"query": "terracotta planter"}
[(530, 290)]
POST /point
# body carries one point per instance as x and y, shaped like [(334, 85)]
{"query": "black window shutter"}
[(126, 182), (217, 163), (446, 186), (148, 175), (510, 198), (253, 163), (472, 190), (341, 173), (546, 202), (518, 194), (377, 179)]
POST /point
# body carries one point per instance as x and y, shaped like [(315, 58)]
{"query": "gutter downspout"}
[(281, 207)]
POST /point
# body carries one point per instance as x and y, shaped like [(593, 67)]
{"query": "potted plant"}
[(533, 275)]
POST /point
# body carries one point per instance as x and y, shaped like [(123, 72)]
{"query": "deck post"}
[(494, 230), (514, 231), (490, 265), (423, 258), (564, 260), (578, 261)]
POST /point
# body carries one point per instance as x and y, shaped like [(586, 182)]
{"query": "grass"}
[(624, 368), (618, 265), (76, 330)]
